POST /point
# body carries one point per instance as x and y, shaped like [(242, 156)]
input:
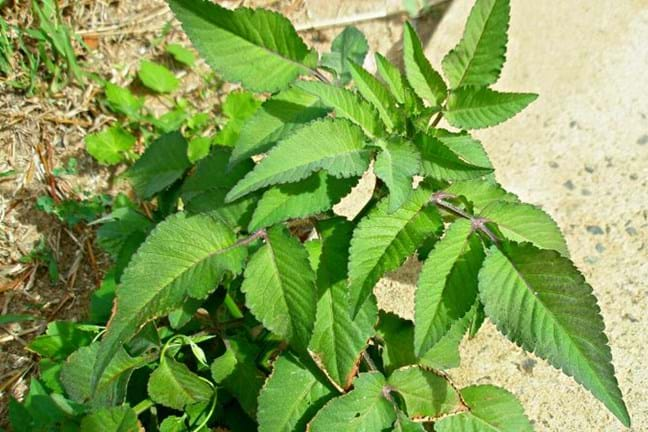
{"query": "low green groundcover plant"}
[(242, 301)]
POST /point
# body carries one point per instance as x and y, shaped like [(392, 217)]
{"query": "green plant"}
[(243, 301)]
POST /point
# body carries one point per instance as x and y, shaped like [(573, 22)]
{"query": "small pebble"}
[(629, 318), (569, 185), (634, 176), (594, 229), (586, 192), (573, 124), (589, 169), (553, 164), (643, 139), (527, 365), (631, 231), (590, 260), (599, 248)]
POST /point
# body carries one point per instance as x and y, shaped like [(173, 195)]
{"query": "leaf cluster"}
[(242, 300)]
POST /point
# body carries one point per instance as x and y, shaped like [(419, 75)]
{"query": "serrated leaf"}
[(490, 409), (121, 100), (465, 146), (338, 340), (279, 288), (173, 385), (238, 108), (291, 396), (315, 194), (382, 242), (76, 374), (258, 48), (445, 354), (525, 222), (61, 339), (392, 77), (347, 105), (481, 193), (157, 77), (114, 419), (447, 285), (364, 408), (108, 147), (335, 145), (540, 301), (480, 54), (183, 256), (350, 44), (236, 371), (441, 163), (279, 116), (181, 54), (205, 190), (375, 92), (163, 162), (425, 394), (476, 108), (396, 165), (427, 82), (124, 221)]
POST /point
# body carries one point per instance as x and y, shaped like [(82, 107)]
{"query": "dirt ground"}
[(581, 152)]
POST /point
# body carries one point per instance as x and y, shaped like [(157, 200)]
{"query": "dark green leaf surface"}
[(375, 92), (338, 340), (540, 301), (291, 396), (279, 288), (383, 241), (396, 165), (182, 256), (258, 48), (315, 194), (173, 385), (441, 163), (163, 162), (447, 285)]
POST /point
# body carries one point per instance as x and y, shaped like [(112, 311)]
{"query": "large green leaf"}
[(279, 287), (162, 163), (258, 48), (205, 190), (335, 145), (490, 409), (425, 394), (349, 45), (447, 285), (392, 77), (278, 117), (364, 408), (441, 163), (291, 396), (465, 146), (525, 222), (540, 301), (475, 108), (427, 82), (382, 241), (182, 256), (480, 54), (396, 165), (115, 419), (338, 340), (375, 92), (315, 194), (173, 385), (347, 105)]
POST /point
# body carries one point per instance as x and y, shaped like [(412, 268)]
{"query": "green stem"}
[(232, 307), (143, 406)]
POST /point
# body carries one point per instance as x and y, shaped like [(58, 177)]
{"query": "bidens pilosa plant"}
[(260, 298)]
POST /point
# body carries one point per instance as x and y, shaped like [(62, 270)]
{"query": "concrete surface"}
[(581, 152)]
